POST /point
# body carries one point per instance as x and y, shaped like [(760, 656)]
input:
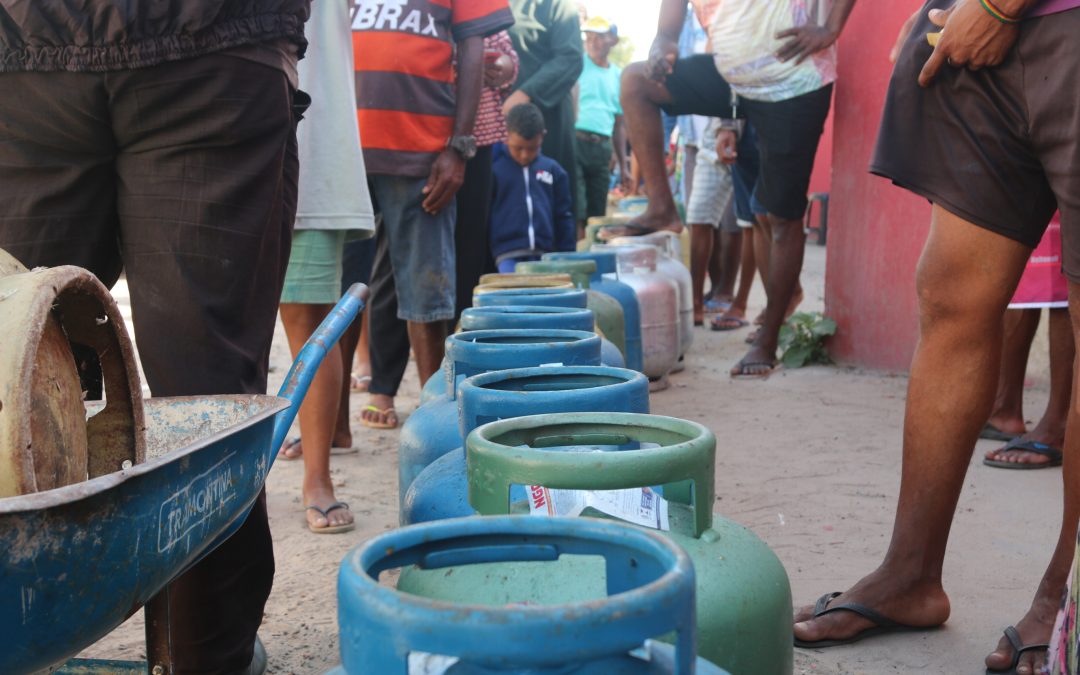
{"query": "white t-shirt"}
[(742, 33), (333, 192)]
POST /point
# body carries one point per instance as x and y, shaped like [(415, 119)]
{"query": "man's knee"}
[(634, 83), (941, 300), (783, 231)]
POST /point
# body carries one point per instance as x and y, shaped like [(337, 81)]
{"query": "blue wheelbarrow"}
[(76, 561)]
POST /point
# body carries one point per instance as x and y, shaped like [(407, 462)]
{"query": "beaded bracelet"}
[(1001, 16)]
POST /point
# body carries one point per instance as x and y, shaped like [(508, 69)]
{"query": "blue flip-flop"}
[(1020, 445)]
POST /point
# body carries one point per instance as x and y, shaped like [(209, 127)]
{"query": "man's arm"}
[(448, 171), (665, 46), (549, 85), (805, 41)]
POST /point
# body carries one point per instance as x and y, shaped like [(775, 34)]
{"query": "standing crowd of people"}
[(443, 139)]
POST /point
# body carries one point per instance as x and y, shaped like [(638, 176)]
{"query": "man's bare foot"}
[(758, 363), (733, 319), (653, 220), (324, 513), (1030, 449), (379, 413), (915, 606), (1007, 424), (1034, 629)]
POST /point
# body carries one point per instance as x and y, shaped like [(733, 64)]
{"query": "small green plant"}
[(802, 339)]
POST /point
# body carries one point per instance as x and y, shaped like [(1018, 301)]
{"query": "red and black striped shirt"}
[(403, 52)]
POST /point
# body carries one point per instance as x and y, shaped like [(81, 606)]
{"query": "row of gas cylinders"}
[(533, 393), (470, 559), (582, 427), (638, 289)]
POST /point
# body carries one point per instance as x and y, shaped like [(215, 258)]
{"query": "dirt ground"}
[(808, 459)]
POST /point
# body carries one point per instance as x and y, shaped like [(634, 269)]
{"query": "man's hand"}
[(726, 142), (498, 73), (515, 99), (905, 30), (447, 175), (662, 56), (971, 38), (804, 41)]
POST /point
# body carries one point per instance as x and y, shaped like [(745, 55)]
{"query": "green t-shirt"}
[(598, 98)]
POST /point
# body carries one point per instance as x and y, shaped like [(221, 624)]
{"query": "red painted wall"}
[(876, 230), (821, 179)]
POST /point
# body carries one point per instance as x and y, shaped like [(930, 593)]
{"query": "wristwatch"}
[(463, 145)]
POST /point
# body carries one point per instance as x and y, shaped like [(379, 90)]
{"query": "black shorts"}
[(788, 131), (999, 147)]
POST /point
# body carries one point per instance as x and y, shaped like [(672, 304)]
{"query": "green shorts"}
[(314, 273)]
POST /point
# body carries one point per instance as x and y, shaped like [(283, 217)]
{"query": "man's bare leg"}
[(1051, 428), (1020, 328), (641, 101), (701, 248), (724, 265), (428, 346), (735, 316), (1037, 625), (785, 260), (318, 414), (347, 347), (965, 278)]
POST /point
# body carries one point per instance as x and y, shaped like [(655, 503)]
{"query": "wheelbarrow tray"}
[(75, 562)]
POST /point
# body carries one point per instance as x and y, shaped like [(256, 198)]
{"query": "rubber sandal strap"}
[(822, 608), (335, 506), (1018, 646), (1034, 447)]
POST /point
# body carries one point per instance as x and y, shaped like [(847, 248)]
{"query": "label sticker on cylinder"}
[(640, 506)]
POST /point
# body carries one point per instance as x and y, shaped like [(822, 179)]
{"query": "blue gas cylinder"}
[(501, 317), (433, 429), (650, 592), (605, 280), (558, 297), (441, 489)]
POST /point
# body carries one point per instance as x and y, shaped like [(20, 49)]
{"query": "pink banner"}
[(1043, 284)]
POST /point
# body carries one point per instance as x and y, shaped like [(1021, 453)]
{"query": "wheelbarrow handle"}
[(307, 361)]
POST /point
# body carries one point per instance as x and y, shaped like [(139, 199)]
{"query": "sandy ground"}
[(808, 459)]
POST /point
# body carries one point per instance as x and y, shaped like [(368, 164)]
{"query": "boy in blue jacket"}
[(531, 211)]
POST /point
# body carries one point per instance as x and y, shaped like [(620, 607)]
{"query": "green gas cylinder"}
[(744, 598)]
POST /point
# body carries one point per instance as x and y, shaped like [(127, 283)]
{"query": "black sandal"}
[(884, 624), (1019, 648)]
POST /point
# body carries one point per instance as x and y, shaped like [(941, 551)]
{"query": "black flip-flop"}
[(739, 372), (329, 529), (884, 624), (1027, 446), (990, 432), (1018, 650), (726, 323)]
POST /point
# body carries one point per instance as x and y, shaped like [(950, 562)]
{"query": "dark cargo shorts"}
[(788, 131), (999, 147)]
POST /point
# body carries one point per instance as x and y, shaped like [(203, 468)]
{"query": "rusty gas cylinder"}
[(46, 440)]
